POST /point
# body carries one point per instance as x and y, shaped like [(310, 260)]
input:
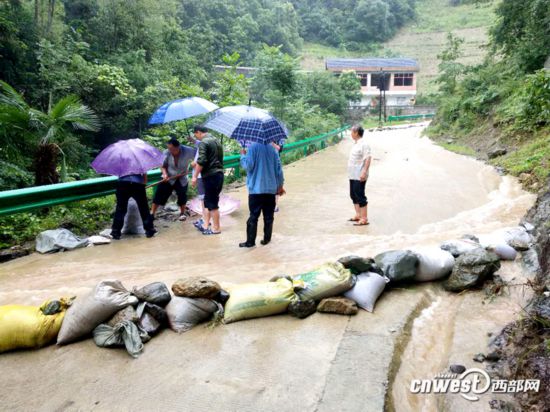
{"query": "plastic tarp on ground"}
[(227, 205), (58, 239)]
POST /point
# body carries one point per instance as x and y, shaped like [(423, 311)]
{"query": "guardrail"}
[(31, 198), (410, 117)]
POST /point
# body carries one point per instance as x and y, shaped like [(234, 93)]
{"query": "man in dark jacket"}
[(209, 165)]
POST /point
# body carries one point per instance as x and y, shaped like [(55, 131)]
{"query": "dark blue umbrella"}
[(181, 109), (248, 124)]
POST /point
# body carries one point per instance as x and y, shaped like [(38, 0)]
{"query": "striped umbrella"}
[(248, 124)]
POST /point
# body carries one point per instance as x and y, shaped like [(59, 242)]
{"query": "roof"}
[(372, 64)]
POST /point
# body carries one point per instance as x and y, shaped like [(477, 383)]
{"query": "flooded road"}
[(419, 194)]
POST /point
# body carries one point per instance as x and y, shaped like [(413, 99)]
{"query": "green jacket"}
[(210, 156)]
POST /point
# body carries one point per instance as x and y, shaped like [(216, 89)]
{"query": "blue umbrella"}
[(181, 109), (248, 124)]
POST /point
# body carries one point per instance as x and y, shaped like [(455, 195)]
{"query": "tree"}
[(51, 132), (230, 87), (351, 86), (449, 68)]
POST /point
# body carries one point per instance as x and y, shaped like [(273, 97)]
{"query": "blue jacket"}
[(263, 169)]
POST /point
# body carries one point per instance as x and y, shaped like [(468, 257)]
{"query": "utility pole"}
[(380, 87)]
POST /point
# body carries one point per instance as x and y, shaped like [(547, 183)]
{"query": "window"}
[(403, 79), (364, 79), (380, 80)]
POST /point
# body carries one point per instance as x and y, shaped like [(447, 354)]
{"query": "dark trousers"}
[(260, 204), (357, 192), (125, 191)]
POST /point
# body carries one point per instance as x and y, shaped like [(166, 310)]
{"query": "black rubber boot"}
[(251, 232), (268, 231)]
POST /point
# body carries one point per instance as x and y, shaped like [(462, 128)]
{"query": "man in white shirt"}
[(358, 172)]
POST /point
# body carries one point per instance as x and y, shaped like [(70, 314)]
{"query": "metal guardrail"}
[(31, 198), (410, 117)]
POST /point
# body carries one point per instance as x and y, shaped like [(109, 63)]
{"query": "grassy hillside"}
[(424, 39)]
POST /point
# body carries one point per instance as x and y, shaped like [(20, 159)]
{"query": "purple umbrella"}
[(127, 157)]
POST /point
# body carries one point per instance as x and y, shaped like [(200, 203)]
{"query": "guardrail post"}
[(237, 171)]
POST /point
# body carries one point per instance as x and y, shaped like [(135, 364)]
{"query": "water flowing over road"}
[(419, 194)]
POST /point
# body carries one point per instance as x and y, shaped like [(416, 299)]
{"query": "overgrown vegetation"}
[(510, 90)]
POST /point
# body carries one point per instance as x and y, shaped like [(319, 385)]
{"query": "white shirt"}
[(359, 153)]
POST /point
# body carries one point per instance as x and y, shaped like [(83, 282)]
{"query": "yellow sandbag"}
[(28, 327), (329, 279), (254, 300)]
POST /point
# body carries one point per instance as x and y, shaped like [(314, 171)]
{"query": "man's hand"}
[(281, 191), (243, 151), (276, 146), (165, 177), (194, 181), (363, 177), (193, 164)]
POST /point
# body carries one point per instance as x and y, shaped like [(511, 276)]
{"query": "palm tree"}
[(51, 133)]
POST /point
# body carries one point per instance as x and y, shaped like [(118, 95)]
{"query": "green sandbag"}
[(330, 279)]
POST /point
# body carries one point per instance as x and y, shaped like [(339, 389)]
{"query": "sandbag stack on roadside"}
[(117, 317)]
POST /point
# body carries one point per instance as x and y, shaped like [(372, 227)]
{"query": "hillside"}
[(424, 38)]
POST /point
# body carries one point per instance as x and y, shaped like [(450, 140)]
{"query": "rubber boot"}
[(268, 231), (251, 232)]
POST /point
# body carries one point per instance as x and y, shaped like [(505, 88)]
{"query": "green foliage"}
[(323, 89), (522, 32), (449, 68), (351, 86), (83, 218), (353, 24), (230, 87)]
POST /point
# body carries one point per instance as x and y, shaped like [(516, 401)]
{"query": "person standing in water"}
[(264, 179), (358, 172), (132, 186), (209, 165)]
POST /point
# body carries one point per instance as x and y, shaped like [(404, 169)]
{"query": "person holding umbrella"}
[(264, 179), (175, 169), (209, 165), (129, 160), (256, 129)]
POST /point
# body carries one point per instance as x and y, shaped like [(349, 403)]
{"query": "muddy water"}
[(419, 194)]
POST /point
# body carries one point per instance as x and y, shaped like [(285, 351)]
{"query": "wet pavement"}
[(419, 194)]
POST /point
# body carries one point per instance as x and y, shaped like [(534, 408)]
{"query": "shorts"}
[(212, 188), (165, 189), (200, 188), (357, 192)]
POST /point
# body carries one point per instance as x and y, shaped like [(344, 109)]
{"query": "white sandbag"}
[(87, 312), (368, 287), (503, 251), (58, 239), (184, 313), (133, 225), (433, 264), (517, 237), (99, 240)]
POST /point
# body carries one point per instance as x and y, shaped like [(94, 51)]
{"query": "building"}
[(397, 76)]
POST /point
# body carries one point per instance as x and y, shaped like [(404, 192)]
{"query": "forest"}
[(79, 74)]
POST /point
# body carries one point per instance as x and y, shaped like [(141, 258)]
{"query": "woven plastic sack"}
[(87, 312), (368, 288), (255, 300), (329, 279), (30, 326), (184, 313), (124, 333), (433, 264)]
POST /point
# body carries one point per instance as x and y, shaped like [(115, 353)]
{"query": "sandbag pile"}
[(117, 317)]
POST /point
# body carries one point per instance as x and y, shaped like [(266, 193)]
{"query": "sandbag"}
[(128, 313), (517, 237), (397, 265), (330, 279), (151, 317), (433, 264), (133, 225), (254, 300), (31, 326), (184, 313), (125, 333), (156, 292), (503, 251), (368, 287), (460, 246), (57, 240), (359, 265), (87, 312)]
